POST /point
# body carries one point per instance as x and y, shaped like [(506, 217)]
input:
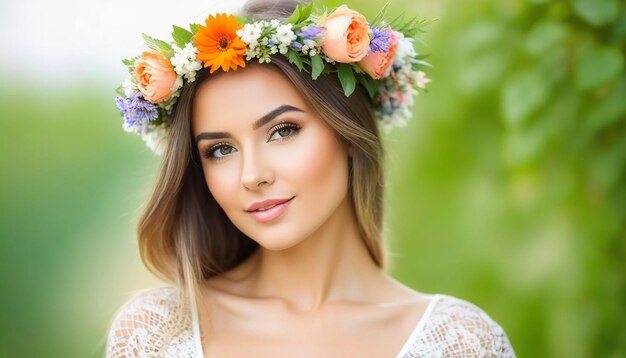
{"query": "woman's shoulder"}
[(148, 303), (459, 310), (457, 327), (146, 322)]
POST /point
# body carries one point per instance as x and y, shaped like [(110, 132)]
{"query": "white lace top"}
[(151, 325)]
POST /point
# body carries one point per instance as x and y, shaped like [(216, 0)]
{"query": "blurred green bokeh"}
[(508, 188)]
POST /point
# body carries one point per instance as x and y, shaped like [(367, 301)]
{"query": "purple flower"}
[(296, 45), (380, 42), (136, 109), (309, 32), (272, 42)]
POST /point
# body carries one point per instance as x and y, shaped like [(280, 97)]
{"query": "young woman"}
[(267, 219)]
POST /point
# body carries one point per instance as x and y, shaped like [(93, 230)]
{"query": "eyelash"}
[(208, 153)]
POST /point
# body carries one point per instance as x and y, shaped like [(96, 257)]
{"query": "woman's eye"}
[(280, 132), (219, 151), (284, 131)]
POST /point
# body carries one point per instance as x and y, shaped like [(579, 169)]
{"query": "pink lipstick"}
[(269, 209)]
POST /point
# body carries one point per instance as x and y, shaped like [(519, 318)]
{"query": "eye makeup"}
[(209, 153)]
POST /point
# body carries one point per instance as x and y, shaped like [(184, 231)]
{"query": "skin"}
[(312, 287)]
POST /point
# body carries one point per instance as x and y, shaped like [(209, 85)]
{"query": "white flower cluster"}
[(250, 34), (392, 112), (421, 80), (398, 98), (129, 86), (404, 49), (184, 61), (283, 38), (155, 137), (265, 38), (312, 48)]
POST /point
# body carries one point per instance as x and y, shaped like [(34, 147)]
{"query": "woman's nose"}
[(255, 171)]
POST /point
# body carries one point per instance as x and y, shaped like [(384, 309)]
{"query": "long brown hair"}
[(184, 235)]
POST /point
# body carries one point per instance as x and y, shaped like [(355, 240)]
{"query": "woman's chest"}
[(344, 333), (327, 342)]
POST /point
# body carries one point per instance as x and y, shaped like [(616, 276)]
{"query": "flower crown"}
[(379, 55)]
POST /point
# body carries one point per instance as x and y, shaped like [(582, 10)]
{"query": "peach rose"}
[(377, 63), (155, 76), (347, 36)]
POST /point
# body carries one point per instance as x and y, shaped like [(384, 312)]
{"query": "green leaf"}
[(380, 15), (294, 58), (181, 36), (306, 12), (295, 16), (421, 63), (165, 48), (597, 12), (597, 66), (522, 96), (300, 14), (395, 22), (410, 28), (357, 69), (150, 42), (120, 90), (306, 60), (193, 28), (129, 61), (241, 19), (317, 65), (159, 45), (346, 77), (369, 83)]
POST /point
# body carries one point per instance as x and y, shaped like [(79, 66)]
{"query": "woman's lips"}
[(272, 213)]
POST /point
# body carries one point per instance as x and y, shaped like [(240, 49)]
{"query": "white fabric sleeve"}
[(142, 326), (457, 328)]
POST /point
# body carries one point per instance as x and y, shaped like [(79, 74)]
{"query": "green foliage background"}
[(507, 189)]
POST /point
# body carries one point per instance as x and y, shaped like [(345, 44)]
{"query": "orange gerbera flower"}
[(218, 44)]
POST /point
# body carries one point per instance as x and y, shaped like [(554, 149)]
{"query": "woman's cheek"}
[(221, 181), (310, 159)]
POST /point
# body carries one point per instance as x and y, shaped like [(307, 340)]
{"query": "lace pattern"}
[(151, 324), (457, 328), (154, 324)]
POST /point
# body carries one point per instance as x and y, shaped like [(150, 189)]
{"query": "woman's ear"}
[(350, 150)]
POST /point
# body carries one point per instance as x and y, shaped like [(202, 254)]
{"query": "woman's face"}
[(259, 140)]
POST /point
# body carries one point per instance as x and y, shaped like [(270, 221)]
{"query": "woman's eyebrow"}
[(256, 125)]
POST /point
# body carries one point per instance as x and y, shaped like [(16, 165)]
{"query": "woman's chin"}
[(277, 243)]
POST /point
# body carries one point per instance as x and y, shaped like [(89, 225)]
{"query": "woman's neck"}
[(331, 265)]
